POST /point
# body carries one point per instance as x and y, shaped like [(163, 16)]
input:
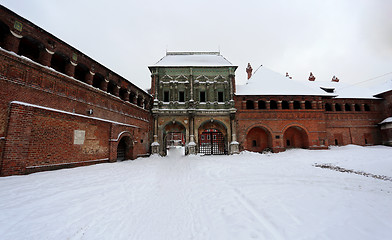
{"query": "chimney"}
[(249, 70), (311, 77), (335, 79)]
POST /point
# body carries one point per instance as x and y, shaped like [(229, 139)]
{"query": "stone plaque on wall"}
[(79, 136)]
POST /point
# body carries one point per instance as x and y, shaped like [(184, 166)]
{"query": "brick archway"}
[(295, 137), (124, 148), (212, 138), (258, 139), (174, 134)]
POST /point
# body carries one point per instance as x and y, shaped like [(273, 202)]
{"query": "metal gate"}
[(212, 142)]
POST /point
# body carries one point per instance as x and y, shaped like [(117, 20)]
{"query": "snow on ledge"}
[(69, 113)]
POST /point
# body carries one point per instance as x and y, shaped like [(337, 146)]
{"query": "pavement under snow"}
[(245, 196)]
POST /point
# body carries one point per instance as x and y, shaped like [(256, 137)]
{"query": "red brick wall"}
[(25, 81)]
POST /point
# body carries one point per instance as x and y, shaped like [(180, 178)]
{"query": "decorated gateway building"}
[(60, 108)]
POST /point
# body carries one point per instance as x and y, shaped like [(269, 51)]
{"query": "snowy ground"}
[(248, 196)]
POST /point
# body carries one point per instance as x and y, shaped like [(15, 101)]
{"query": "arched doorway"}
[(124, 149), (258, 140), (295, 137), (173, 135), (212, 138)]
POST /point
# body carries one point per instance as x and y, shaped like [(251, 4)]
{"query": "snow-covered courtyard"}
[(246, 196)]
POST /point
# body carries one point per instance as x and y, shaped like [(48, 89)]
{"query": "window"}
[(338, 108), (367, 108), (328, 107), (297, 105), (202, 137), (308, 105), (254, 143), (202, 96), (214, 137), (220, 97), (181, 96), (166, 96), (273, 104), (208, 137), (347, 107), (285, 105), (261, 104), (357, 108), (250, 104)]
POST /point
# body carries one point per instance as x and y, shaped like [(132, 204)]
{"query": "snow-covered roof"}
[(363, 90), (387, 120), (267, 82), (193, 59)]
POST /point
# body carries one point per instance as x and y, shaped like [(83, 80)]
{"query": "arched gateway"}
[(213, 138), (174, 135)]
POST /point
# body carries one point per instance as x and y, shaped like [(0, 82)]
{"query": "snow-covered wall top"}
[(193, 59), (267, 82)]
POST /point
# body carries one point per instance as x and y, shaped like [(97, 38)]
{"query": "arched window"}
[(59, 61), (347, 107), (367, 108), (250, 104), (261, 104), (357, 108), (308, 105), (98, 80), (285, 105), (30, 47), (328, 107), (81, 72), (297, 105), (338, 108), (273, 104)]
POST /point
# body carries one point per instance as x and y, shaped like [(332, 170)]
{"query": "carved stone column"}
[(191, 144), (234, 145), (155, 143), (104, 85)]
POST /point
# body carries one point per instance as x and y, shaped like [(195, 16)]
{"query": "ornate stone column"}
[(191, 144), (234, 145), (155, 143), (116, 90)]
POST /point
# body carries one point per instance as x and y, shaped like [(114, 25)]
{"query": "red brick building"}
[(60, 108)]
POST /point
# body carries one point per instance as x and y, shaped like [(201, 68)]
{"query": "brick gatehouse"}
[(60, 108)]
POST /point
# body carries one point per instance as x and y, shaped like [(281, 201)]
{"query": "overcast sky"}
[(351, 39)]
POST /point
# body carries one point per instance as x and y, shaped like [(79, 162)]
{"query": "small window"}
[(202, 137), (338, 108), (367, 108), (347, 107), (336, 142), (285, 105), (357, 108), (328, 107), (273, 104), (181, 96), (220, 97), (297, 105), (262, 105), (308, 105), (202, 96), (166, 96), (214, 137), (288, 143), (250, 104), (208, 137), (254, 143)]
